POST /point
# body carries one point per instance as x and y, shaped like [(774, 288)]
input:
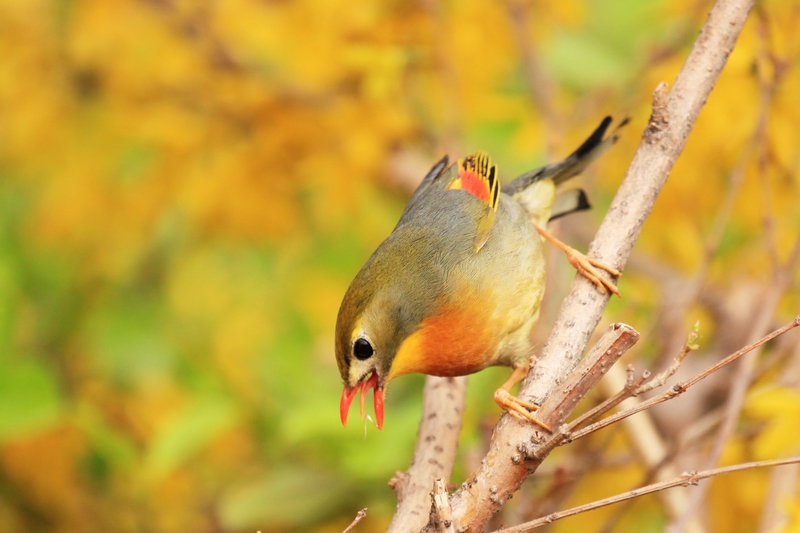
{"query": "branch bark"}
[(434, 455), (674, 114)]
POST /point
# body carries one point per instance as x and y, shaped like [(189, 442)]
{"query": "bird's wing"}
[(438, 193)]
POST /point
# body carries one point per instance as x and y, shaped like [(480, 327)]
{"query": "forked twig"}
[(634, 387), (680, 388)]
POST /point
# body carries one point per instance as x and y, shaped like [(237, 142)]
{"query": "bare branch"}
[(684, 480), (746, 370), (359, 517), (680, 388), (441, 507), (647, 443), (435, 453), (524, 457), (743, 377), (612, 345), (636, 386), (628, 391), (660, 379)]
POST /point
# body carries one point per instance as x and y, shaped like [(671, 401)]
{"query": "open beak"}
[(349, 394)]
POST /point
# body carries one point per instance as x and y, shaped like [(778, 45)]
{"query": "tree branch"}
[(682, 387), (684, 480), (434, 455), (674, 114)]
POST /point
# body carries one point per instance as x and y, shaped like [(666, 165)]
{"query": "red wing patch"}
[(478, 176)]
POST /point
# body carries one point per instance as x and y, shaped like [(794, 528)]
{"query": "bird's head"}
[(383, 307), (369, 333)]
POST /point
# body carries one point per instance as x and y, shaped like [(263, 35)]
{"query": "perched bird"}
[(457, 285)]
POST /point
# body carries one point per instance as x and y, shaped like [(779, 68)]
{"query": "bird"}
[(458, 284)]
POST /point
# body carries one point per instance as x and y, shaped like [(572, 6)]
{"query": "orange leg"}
[(517, 408), (586, 265)]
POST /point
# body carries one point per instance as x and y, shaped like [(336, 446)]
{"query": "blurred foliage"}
[(187, 188)]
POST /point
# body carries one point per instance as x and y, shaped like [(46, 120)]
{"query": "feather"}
[(478, 177)]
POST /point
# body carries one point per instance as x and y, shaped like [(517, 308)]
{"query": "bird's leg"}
[(585, 265), (514, 406)]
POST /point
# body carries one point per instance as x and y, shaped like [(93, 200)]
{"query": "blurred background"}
[(187, 188)]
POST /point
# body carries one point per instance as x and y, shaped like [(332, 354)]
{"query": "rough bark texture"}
[(437, 443)]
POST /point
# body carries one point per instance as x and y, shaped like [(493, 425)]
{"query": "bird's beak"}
[(350, 392)]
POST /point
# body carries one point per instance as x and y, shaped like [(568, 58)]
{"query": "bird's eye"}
[(362, 349)]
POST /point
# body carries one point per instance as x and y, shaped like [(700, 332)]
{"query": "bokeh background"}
[(188, 187)]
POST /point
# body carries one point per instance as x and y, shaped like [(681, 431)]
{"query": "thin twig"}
[(628, 391), (646, 441), (635, 387), (359, 517), (684, 480), (617, 340), (680, 388), (660, 379), (741, 380)]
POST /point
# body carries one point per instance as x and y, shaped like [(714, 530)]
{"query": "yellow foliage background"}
[(187, 188)]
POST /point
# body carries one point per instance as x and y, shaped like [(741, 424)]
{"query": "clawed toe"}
[(519, 409)]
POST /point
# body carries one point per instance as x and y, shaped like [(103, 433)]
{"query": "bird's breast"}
[(459, 339)]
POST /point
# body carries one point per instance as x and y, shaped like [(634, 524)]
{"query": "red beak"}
[(349, 394)]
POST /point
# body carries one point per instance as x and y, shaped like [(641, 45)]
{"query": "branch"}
[(526, 455), (435, 454), (359, 517), (680, 388), (684, 480), (612, 345), (742, 379), (441, 507), (674, 114)]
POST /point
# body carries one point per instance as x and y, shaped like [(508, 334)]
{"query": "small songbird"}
[(457, 285)]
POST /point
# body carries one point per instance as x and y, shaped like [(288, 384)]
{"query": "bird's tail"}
[(532, 190)]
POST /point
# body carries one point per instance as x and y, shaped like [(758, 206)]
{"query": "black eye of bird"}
[(362, 349)]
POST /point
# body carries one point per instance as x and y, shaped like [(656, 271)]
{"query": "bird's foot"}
[(519, 409), (588, 269), (587, 266)]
